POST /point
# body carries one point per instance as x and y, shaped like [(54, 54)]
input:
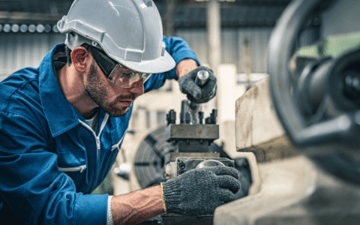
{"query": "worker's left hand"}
[(195, 93)]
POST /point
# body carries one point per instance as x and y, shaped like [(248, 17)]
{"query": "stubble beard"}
[(99, 95)]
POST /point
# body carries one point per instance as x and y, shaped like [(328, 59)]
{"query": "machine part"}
[(198, 131), (201, 78), (242, 165), (211, 154), (294, 191), (178, 163), (209, 163), (149, 158), (192, 138), (352, 84), (123, 170), (189, 112), (185, 108), (154, 152), (213, 116), (194, 110), (144, 52), (330, 135), (186, 164), (187, 118), (208, 120), (201, 117), (171, 117)]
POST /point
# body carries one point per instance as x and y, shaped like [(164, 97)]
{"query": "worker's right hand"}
[(200, 191), (195, 93)]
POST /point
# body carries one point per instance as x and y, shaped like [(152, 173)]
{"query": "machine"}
[(170, 151), (315, 92)]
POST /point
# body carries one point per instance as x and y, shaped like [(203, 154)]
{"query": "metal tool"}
[(192, 147), (201, 79)]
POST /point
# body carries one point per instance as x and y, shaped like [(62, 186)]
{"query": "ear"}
[(80, 58)]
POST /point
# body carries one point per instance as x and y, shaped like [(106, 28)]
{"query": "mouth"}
[(127, 103)]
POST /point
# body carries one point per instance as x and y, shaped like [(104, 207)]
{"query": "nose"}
[(137, 88)]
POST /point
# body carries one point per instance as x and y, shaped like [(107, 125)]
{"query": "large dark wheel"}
[(149, 158), (328, 132)]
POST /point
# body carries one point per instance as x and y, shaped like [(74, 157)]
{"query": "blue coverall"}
[(50, 159)]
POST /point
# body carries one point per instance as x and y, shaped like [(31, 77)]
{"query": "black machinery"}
[(316, 90), (172, 150)]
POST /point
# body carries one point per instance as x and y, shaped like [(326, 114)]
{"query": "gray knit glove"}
[(200, 191), (195, 93)]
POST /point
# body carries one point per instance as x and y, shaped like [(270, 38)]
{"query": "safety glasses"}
[(115, 72)]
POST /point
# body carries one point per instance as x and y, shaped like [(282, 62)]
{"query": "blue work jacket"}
[(50, 159)]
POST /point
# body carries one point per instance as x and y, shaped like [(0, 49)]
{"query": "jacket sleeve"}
[(31, 183), (179, 50)]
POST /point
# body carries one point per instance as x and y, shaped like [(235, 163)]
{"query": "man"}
[(62, 124)]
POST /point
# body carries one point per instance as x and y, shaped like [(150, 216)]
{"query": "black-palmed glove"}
[(200, 191), (195, 93)]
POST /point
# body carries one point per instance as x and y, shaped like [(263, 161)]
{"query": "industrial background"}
[(232, 37), (28, 31), (229, 36)]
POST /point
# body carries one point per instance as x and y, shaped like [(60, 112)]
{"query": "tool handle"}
[(202, 77)]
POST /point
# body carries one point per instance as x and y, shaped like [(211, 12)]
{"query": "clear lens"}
[(146, 76), (125, 78)]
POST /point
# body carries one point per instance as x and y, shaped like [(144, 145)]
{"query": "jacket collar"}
[(60, 114)]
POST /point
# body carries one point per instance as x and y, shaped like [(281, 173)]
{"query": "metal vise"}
[(192, 139)]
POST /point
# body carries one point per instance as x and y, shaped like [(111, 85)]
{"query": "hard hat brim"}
[(159, 65)]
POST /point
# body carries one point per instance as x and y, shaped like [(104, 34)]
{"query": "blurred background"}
[(230, 36)]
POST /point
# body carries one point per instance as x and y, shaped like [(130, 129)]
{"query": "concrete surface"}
[(294, 191)]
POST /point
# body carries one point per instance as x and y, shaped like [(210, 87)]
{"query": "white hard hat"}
[(129, 31)]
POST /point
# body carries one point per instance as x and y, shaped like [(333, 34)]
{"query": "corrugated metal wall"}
[(19, 50), (232, 46)]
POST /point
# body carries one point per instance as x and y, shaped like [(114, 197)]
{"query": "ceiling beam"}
[(224, 4), (27, 17)]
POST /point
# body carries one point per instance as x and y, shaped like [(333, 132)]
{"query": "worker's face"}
[(112, 99)]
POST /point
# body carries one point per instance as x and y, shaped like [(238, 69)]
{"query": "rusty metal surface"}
[(172, 156), (186, 164), (294, 191), (193, 145), (194, 131)]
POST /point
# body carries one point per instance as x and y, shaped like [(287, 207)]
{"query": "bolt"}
[(171, 117), (182, 118), (208, 120), (201, 117), (182, 166), (213, 116), (187, 118)]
